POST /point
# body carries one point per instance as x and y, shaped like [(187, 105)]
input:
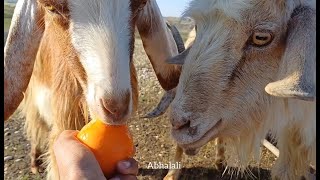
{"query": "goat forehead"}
[(100, 23), (100, 33), (203, 9), (99, 10), (206, 10)]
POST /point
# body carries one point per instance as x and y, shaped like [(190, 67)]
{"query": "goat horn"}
[(168, 96), (163, 105), (179, 59), (177, 37), (183, 52)]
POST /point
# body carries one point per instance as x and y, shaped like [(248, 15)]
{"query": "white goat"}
[(74, 60), (167, 99), (250, 69)]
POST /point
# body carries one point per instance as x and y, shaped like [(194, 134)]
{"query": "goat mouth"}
[(107, 117), (204, 139)]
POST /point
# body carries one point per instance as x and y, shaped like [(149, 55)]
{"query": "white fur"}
[(230, 8), (105, 53)]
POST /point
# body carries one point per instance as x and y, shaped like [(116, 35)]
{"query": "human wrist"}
[(80, 174)]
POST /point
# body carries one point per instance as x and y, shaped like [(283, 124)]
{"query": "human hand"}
[(76, 161)]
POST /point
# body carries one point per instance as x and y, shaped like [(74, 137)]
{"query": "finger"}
[(124, 177), (71, 154), (65, 136), (128, 167), (68, 134), (67, 142)]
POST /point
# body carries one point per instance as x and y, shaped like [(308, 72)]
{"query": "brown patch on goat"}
[(170, 81), (149, 23), (60, 5), (134, 87), (135, 6), (146, 27), (58, 69), (61, 13)]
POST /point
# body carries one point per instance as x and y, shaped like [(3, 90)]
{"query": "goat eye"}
[(261, 38), (51, 8), (142, 5)]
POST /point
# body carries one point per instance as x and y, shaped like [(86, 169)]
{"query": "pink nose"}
[(116, 109)]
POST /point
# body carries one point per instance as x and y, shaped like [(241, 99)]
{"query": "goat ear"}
[(179, 59), (297, 69), (159, 44), (20, 52)]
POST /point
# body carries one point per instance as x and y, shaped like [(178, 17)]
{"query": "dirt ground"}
[(152, 140)]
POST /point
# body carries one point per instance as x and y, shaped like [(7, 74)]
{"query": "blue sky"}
[(172, 7)]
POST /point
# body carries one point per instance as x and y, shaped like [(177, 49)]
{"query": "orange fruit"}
[(109, 144)]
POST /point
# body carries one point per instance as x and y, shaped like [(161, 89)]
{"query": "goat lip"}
[(208, 136)]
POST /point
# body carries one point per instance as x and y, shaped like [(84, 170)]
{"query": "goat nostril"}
[(186, 125), (192, 130), (107, 107), (113, 109), (177, 125)]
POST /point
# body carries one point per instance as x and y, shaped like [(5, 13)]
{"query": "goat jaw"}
[(163, 105)]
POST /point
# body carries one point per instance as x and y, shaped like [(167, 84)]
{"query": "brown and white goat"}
[(73, 59), (250, 69)]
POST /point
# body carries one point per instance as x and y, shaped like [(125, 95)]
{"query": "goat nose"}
[(115, 110), (180, 123)]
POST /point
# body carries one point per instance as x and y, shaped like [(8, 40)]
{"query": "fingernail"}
[(125, 164)]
